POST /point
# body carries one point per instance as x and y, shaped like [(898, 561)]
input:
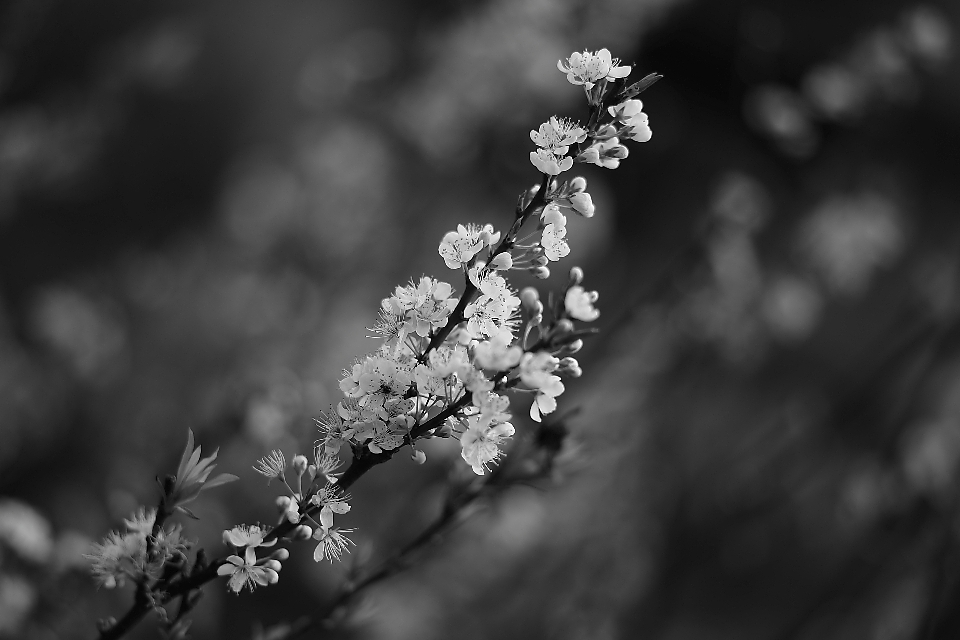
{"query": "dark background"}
[(202, 204)]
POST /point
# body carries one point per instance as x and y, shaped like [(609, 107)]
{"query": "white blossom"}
[(604, 153), (549, 163), (423, 306), (246, 572), (480, 442), (459, 247), (631, 114), (579, 304), (333, 543), (557, 134), (588, 68), (554, 246), (497, 353)]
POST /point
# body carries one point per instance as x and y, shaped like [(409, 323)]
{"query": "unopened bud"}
[(574, 372), (528, 196), (564, 326), (541, 272), (502, 261), (299, 464), (578, 184), (302, 532), (271, 575), (282, 503), (609, 131), (312, 471), (282, 554), (419, 456), (576, 276), (582, 203), (551, 215), (575, 346), (272, 564), (529, 296), (541, 261), (619, 152), (568, 362)]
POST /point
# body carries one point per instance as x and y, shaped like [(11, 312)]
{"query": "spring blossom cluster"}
[(446, 364)]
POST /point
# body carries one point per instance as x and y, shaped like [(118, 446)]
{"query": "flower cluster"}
[(319, 495), (136, 554), (446, 366), (625, 118), (249, 571)]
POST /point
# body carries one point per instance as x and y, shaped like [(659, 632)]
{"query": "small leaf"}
[(186, 454), (638, 87), (184, 510), (223, 478), (646, 82)]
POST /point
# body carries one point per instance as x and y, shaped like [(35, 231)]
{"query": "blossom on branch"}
[(246, 572), (579, 304), (631, 114), (459, 247), (588, 68), (480, 442)]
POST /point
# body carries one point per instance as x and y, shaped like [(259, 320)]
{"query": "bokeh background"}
[(202, 204)]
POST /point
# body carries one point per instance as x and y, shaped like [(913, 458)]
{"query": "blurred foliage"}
[(202, 203)]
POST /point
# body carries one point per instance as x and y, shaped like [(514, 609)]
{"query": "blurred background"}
[(202, 204)]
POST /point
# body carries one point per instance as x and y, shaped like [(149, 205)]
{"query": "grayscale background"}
[(202, 204)]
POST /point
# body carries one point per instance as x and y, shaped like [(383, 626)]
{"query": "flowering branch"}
[(443, 370)]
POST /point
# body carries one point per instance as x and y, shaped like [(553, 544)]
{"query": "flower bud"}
[(563, 326), (541, 261), (282, 503), (302, 532), (576, 276), (575, 372), (575, 346), (273, 565), (281, 554), (299, 464), (419, 456), (502, 261), (578, 185), (620, 152), (529, 296), (566, 363), (528, 196), (582, 203), (541, 272), (312, 471), (609, 131), (271, 575)]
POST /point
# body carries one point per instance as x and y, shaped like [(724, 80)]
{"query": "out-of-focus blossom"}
[(783, 115), (928, 33), (835, 91), (89, 333), (17, 598), (847, 238), (25, 531), (791, 307), (579, 304)]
